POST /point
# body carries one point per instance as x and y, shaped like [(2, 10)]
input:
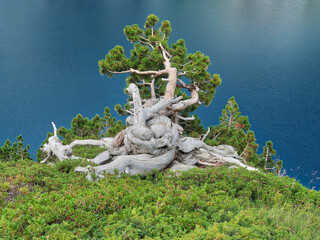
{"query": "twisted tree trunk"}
[(150, 141)]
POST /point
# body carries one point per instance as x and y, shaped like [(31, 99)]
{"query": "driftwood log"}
[(150, 141)]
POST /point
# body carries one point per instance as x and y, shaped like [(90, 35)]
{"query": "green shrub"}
[(55, 202)]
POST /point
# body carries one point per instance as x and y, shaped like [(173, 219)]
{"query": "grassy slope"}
[(54, 202)]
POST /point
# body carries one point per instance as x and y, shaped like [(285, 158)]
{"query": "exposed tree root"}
[(150, 141)]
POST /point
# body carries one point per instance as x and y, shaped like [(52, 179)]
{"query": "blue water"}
[(267, 52)]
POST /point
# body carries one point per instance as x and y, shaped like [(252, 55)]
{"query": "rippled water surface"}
[(267, 52)]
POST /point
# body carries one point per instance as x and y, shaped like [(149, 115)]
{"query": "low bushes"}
[(54, 202)]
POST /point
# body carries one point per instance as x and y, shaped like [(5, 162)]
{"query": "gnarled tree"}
[(160, 70), (158, 78)]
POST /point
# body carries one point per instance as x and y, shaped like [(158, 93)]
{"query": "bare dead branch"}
[(184, 85), (152, 88), (153, 91), (205, 136), (54, 129), (113, 72), (182, 73), (217, 135), (186, 118)]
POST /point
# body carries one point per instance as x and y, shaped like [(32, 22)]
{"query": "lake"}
[(267, 53)]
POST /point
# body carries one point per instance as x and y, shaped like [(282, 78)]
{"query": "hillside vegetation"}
[(54, 202)]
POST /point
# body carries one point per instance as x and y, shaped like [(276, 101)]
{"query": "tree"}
[(41, 155), (267, 161), (82, 128), (112, 127), (232, 118), (153, 138), (156, 66), (14, 152), (96, 128), (234, 130)]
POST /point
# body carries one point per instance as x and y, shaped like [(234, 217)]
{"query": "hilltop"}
[(54, 202)]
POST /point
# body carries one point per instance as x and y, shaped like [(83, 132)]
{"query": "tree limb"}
[(164, 54), (186, 118), (162, 104), (217, 135), (152, 73), (88, 142), (187, 86), (182, 65), (149, 44), (204, 137), (189, 102), (164, 50), (245, 149), (182, 73), (152, 88), (54, 129)]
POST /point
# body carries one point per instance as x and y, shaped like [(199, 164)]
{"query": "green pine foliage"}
[(111, 126), (193, 128), (87, 152), (146, 56), (96, 128), (14, 152), (84, 128), (234, 130), (54, 202), (267, 158)]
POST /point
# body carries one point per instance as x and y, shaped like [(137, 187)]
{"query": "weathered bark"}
[(150, 141), (138, 164), (189, 102), (153, 137), (177, 166), (118, 139), (54, 147), (89, 142), (172, 80), (205, 136), (139, 116)]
